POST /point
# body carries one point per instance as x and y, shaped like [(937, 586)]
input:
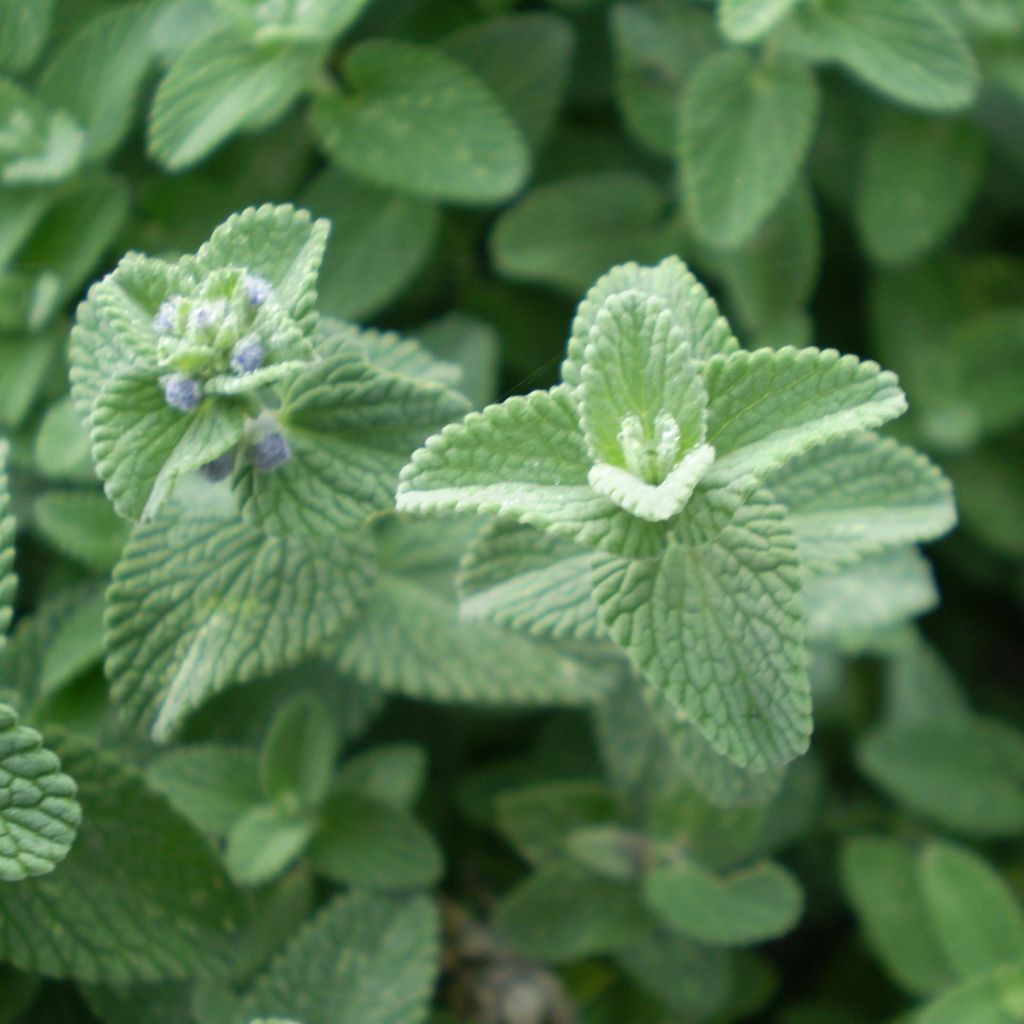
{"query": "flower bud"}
[(166, 319), (219, 469), (257, 289), (182, 392), (269, 452), (247, 356)]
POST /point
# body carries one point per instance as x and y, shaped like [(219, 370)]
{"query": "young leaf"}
[(419, 121), (39, 815), (526, 459), (753, 905), (992, 997), (140, 897), (744, 21), (364, 959), (264, 840), (920, 175), (767, 407), (860, 494), (366, 843), (911, 51), (705, 330), (716, 625), (382, 239), (881, 879), (198, 605), (392, 774), (976, 915), (299, 751), (221, 86), (23, 32), (745, 130)]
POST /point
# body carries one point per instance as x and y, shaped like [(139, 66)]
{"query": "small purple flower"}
[(220, 468), (258, 289), (182, 392), (166, 318), (207, 315), (247, 356), (269, 452)]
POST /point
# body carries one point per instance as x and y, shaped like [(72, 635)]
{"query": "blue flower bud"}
[(166, 318), (182, 392), (220, 468), (207, 315), (257, 289), (247, 356), (269, 452)]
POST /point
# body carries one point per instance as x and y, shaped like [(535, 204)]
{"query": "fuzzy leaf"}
[(364, 959), (140, 897), (198, 605), (716, 626), (753, 905), (745, 131), (526, 459), (767, 407), (221, 86), (860, 494), (419, 121)]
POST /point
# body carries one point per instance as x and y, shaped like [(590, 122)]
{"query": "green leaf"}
[(470, 344), (39, 816), (97, 74), (526, 459), (283, 244), (716, 625), (299, 751), (382, 240), (312, 21), (920, 175), (82, 525), (911, 51), (966, 773), (525, 59), (393, 774), (528, 581), (197, 605), (62, 444), (881, 879), (876, 592), (565, 233), (753, 905), (561, 914), (745, 130), (364, 959), (767, 407), (976, 915), (210, 784), (24, 29), (36, 144), (350, 427), (366, 843), (921, 687), (263, 841), (694, 311), (419, 121), (8, 581), (143, 446), (410, 638), (744, 21), (140, 897), (219, 87), (858, 495), (993, 998)]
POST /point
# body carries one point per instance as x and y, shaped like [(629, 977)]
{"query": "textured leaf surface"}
[(911, 50), (421, 122), (525, 459), (976, 914), (8, 581), (881, 879), (745, 130), (966, 773), (693, 310), (350, 428), (716, 625), (364, 959), (529, 581), (196, 606), (410, 638), (858, 495), (767, 407), (221, 86), (140, 897), (759, 903), (39, 815), (565, 233), (920, 175)]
